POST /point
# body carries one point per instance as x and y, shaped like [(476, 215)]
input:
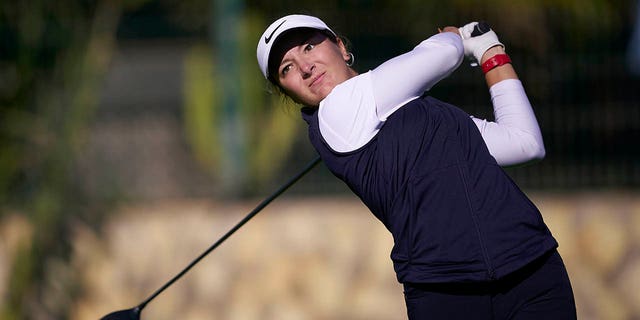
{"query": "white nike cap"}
[(281, 25)]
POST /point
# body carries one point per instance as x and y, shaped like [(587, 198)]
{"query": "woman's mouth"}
[(317, 80)]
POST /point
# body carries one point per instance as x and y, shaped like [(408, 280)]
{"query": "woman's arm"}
[(514, 138), (374, 95), (409, 75)]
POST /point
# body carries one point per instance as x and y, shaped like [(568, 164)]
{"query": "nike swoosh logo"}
[(267, 39)]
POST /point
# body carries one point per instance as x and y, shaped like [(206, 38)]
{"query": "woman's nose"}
[(307, 69)]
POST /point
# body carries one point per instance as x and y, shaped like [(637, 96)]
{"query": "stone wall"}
[(316, 258)]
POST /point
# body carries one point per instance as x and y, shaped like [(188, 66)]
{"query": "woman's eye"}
[(309, 47), (285, 70)]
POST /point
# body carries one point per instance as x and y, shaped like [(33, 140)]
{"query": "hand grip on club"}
[(479, 29)]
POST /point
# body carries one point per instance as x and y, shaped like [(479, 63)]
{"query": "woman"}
[(467, 242)]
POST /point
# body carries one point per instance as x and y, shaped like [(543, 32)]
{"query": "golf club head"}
[(128, 314), (134, 313)]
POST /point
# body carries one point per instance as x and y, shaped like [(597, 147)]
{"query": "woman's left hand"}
[(450, 29)]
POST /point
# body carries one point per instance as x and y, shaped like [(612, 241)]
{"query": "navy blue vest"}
[(454, 214)]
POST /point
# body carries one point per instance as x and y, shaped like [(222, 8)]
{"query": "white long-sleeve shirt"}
[(355, 110)]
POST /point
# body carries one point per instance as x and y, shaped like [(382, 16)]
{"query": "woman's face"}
[(311, 66)]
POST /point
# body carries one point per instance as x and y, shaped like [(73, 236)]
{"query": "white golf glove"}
[(476, 46)]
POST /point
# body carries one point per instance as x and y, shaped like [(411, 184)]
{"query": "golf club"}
[(134, 313), (481, 28)]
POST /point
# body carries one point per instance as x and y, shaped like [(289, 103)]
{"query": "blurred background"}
[(134, 133)]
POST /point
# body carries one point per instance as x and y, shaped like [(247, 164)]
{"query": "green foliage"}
[(53, 57), (268, 131), (272, 132), (200, 115)]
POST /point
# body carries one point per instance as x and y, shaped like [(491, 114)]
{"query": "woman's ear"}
[(343, 49)]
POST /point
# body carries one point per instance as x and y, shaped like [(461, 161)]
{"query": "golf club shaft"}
[(251, 214)]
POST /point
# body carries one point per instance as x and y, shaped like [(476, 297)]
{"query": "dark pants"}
[(540, 290)]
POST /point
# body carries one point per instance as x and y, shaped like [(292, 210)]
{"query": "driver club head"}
[(134, 313), (127, 314)]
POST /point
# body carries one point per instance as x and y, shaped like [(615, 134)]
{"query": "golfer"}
[(468, 243)]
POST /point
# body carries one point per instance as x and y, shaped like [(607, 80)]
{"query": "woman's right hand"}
[(476, 46)]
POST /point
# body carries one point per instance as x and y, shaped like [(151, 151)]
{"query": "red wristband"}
[(495, 61)]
